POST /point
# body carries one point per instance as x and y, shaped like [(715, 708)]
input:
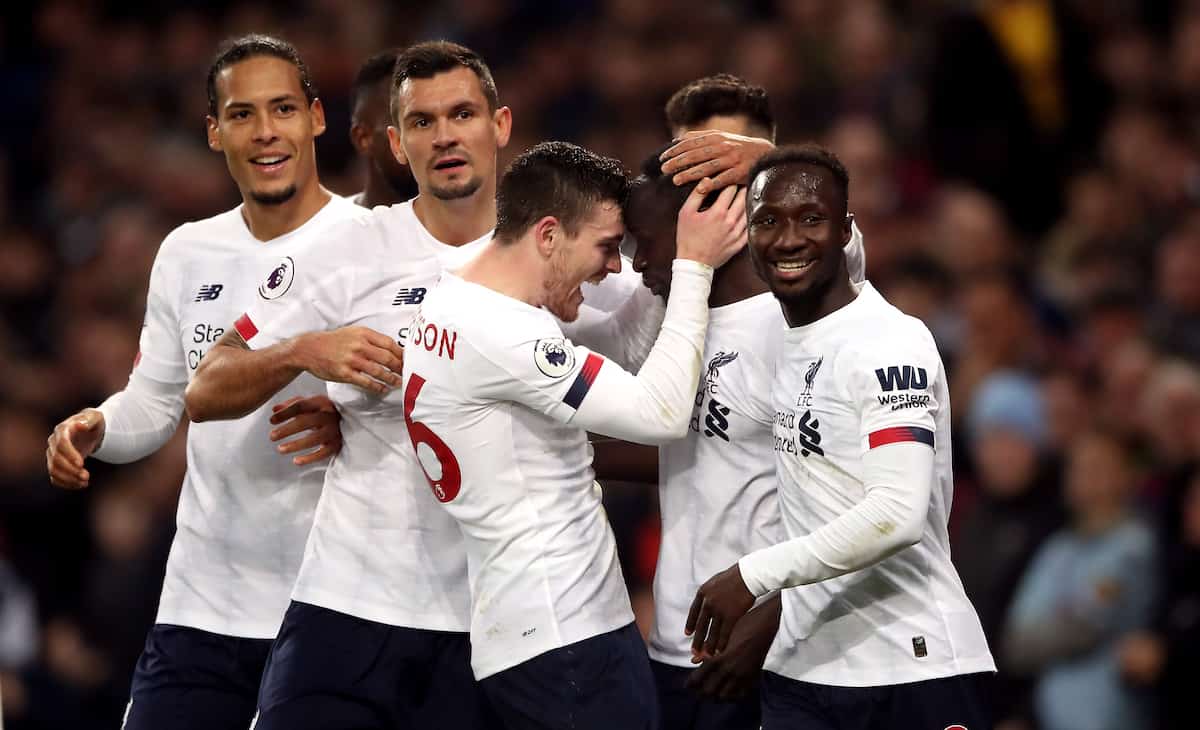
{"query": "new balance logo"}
[(901, 378), (416, 295), (208, 292), (808, 436)]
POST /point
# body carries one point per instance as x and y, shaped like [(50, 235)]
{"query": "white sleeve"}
[(624, 335), (572, 384), (305, 292), (139, 419), (142, 417), (898, 481), (893, 386)]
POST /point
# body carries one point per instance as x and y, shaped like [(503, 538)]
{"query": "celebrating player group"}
[(390, 517)]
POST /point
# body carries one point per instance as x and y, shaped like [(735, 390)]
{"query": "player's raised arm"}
[(654, 406)]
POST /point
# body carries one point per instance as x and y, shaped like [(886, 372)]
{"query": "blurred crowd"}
[(1026, 174)]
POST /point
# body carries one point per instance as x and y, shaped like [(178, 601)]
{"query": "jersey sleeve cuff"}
[(689, 267), (753, 568)]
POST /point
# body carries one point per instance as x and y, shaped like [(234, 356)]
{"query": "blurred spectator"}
[(1016, 507), (1089, 586), (1175, 322), (1168, 655), (1009, 160)]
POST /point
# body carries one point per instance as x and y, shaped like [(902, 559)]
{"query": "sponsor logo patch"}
[(554, 357), (279, 280), (415, 295), (208, 292)]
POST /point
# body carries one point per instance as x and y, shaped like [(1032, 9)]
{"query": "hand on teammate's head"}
[(714, 234), (721, 157)]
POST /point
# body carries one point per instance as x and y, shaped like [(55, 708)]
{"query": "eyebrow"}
[(455, 107), (250, 105)]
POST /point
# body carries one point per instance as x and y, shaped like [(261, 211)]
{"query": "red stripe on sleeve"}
[(591, 367), (245, 327), (900, 434)]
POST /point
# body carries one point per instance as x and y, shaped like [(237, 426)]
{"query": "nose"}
[(264, 129), (639, 261), (613, 264), (443, 134)]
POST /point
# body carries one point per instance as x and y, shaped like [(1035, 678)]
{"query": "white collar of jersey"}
[(866, 294)]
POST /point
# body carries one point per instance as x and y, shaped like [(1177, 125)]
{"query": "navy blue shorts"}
[(686, 709), (189, 679), (956, 703), (600, 683), (332, 670)]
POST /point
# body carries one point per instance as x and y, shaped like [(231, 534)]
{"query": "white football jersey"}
[(717, 489), (491, 387), (244, 510), (381, 548), (862, 377)]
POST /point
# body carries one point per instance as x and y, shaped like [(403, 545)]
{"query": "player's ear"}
[(397, 148), (316, 111), (847, 228), (360, 137), (214, 141), (502, 118), (547, 233)]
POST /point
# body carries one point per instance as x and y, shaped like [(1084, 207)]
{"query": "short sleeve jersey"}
[(862, 378)]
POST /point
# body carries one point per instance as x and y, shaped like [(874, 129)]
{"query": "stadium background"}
[(1026, 173)]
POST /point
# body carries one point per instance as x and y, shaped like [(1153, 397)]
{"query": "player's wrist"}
[(691, 265), (299, 352), (101, 425)]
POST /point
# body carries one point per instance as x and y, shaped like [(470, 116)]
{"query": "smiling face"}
[(798, 227), (266, 127), (447, 135), (590, 255)]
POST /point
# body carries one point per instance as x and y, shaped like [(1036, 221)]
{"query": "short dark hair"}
[(720, 95), (239, 49), (662, 186), (425, 60), (379, 67), (557, 179), (805, 154)]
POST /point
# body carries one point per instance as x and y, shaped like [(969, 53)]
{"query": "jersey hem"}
[(903, 675), (379, 612), (508, 659)]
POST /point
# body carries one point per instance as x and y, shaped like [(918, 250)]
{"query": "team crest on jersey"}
[(810, 376), (554, 357), (279, 280)]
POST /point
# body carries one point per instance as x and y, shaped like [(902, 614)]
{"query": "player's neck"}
[(456, 222), (268, 222), (801, 311), (379, 192), (735, 281), (505, 268)]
